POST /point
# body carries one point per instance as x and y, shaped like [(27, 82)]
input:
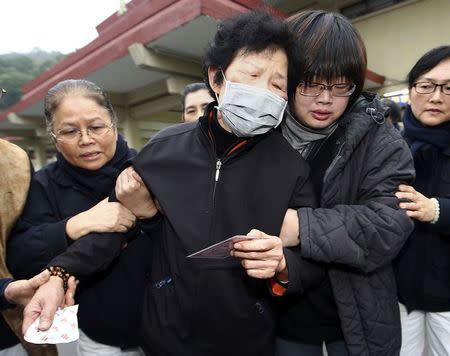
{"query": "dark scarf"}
[(102, 181), (420, 137)]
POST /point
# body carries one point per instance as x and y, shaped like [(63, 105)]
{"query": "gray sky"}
[(58, 25)]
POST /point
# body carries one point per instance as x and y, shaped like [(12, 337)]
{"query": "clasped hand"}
[(261, 257), (46, 301), (418, 206), (133, 194)]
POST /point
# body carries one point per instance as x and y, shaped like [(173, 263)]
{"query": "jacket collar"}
[(206, 136)]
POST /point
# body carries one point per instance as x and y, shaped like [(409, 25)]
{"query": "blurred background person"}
[(423, 266), (68, 200), (394, 113), (196, 97)]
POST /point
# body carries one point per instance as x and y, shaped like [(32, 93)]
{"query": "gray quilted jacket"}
[(360, 230)]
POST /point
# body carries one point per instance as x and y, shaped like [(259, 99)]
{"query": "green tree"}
[(17, 69)]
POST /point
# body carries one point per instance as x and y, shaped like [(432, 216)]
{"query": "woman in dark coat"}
[(68, 199), (357, 162), (423, 266)]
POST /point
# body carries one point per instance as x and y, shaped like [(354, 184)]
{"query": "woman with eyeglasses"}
[(67, 200), (357, 161), (423, 265)]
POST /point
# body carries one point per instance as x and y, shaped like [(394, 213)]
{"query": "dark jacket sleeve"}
[(303, 273), (443, 224), (3, 302), (38, 236), (91, 254), (370, 233), (95, 252), (39, 240)]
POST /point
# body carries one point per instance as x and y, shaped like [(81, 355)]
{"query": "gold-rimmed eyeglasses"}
[(72, 134), (315, 89)]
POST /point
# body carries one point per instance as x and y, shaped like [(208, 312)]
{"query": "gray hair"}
[(68, 87)]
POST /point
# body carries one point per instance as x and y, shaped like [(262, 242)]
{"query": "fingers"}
[(39, 279), (70, 294), (413, 206), (410, 199), (47, 316), (133, 180), (30, 314), (250, 264), (405, 195), (260, 273), (261, 242), (136, 176), (417, 206), (257, 233), (263, 269), (127, 182), (406, 188)]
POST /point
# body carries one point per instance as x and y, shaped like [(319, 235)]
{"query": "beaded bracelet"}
[(437, 211), (61, 273)]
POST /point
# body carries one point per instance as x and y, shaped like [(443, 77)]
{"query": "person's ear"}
[(55, 142), (212, 71)]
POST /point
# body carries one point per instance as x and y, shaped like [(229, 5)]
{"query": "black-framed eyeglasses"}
[(315, 89), (2, 92), (430, 87), (72, 134)]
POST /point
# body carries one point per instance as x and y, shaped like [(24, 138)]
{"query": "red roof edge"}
[(146, 22), (121, 24), (374, 77), (131, 6)]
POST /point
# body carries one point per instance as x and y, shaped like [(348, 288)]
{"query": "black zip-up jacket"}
[(423, 265), (359, 229), (203, 307)]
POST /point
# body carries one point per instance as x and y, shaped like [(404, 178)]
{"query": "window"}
[(364, 7)]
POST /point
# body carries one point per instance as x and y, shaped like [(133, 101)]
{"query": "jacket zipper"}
[(334, 162), (216, 179)]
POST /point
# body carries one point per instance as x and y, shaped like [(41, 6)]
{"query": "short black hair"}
[(427, 62), (395, 113), (329, 46), (253, 31), (192, 88)]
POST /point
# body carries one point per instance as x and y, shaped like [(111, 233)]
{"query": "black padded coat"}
[(358, 229)]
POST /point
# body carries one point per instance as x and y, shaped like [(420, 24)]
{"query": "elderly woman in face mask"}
[(67, 200), (241, 174)]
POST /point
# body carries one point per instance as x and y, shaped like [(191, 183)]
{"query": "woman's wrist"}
[(7, 292), (289, 233), (75, 227), (60, 276), (282, 273), (437, 211)]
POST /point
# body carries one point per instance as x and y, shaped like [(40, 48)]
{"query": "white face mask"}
[(249, 111)]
